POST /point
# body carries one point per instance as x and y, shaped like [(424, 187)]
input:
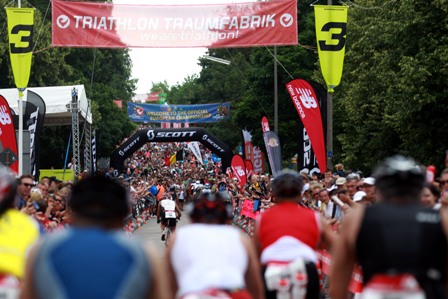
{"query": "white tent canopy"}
[(57, 99)]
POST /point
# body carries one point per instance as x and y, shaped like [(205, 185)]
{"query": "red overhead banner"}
[(108, 25), (305, 101)]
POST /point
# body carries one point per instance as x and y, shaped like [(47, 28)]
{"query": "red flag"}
[(239, 169), (305, 101), (265, 124), (8, 141)]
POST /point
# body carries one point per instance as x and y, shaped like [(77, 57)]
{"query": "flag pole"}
[(20, 143), (329, 123)]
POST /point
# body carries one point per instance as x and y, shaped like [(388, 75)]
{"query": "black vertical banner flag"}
[(274, 151), (33, 121), (306, 160)]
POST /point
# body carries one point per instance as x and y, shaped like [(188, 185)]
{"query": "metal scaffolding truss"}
[(74, 108), (88, 146)]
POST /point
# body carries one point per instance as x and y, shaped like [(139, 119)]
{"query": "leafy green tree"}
[(394, 87)]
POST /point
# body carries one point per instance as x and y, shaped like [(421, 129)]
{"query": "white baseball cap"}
[(369, 181), (359, 196)]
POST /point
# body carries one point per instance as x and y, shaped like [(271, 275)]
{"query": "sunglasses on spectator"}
[(28, 185), (443, 182), (315, 193)]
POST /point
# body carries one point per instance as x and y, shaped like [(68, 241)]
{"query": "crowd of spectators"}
[(149, 178)]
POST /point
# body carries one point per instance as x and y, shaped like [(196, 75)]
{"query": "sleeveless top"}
[(91, 263), (207, 256), (288, 231), (18, 232), (403, 239)]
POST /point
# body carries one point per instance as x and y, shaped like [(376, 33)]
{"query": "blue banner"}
[(151, 113)]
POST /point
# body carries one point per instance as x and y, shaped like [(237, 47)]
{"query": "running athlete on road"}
[(18, 232), (400, 245), (167, 213), (287, 236)]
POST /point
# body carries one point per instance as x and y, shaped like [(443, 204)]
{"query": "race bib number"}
[(170, 214)]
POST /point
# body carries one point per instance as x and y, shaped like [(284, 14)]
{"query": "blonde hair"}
[(339, 166), (35, 195)]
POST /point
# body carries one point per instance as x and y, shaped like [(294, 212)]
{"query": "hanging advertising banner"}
[(108, 25), (151, 113), (8, 142), (20, 33), (265, 124), (306, 103), (253, 153), (258, 160), (331, 31), (248, 147), (33, 119), (239, 169), (153, 96), (194, 148), (273, 149)]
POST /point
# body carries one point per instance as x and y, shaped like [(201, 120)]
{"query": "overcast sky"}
[(171, 64)]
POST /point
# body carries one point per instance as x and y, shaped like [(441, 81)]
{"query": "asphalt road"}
[(151, 232)]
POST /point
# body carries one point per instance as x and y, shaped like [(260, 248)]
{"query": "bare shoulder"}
[(352, 224)]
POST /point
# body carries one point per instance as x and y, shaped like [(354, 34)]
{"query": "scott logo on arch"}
[(175, 134)]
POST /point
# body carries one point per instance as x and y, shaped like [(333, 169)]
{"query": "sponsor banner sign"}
[(239, 169), (258, 160), (306, 103), (273, 149), (138, 139), (194, 148), (331, 31), (20, 33), (265, 124), (253, 153), (151, 113), (34, 121), (8, 143), (108, 25), (248, 147), (153, 96)]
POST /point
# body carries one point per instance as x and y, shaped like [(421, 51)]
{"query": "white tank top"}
[(208, 256), (168, 205)]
